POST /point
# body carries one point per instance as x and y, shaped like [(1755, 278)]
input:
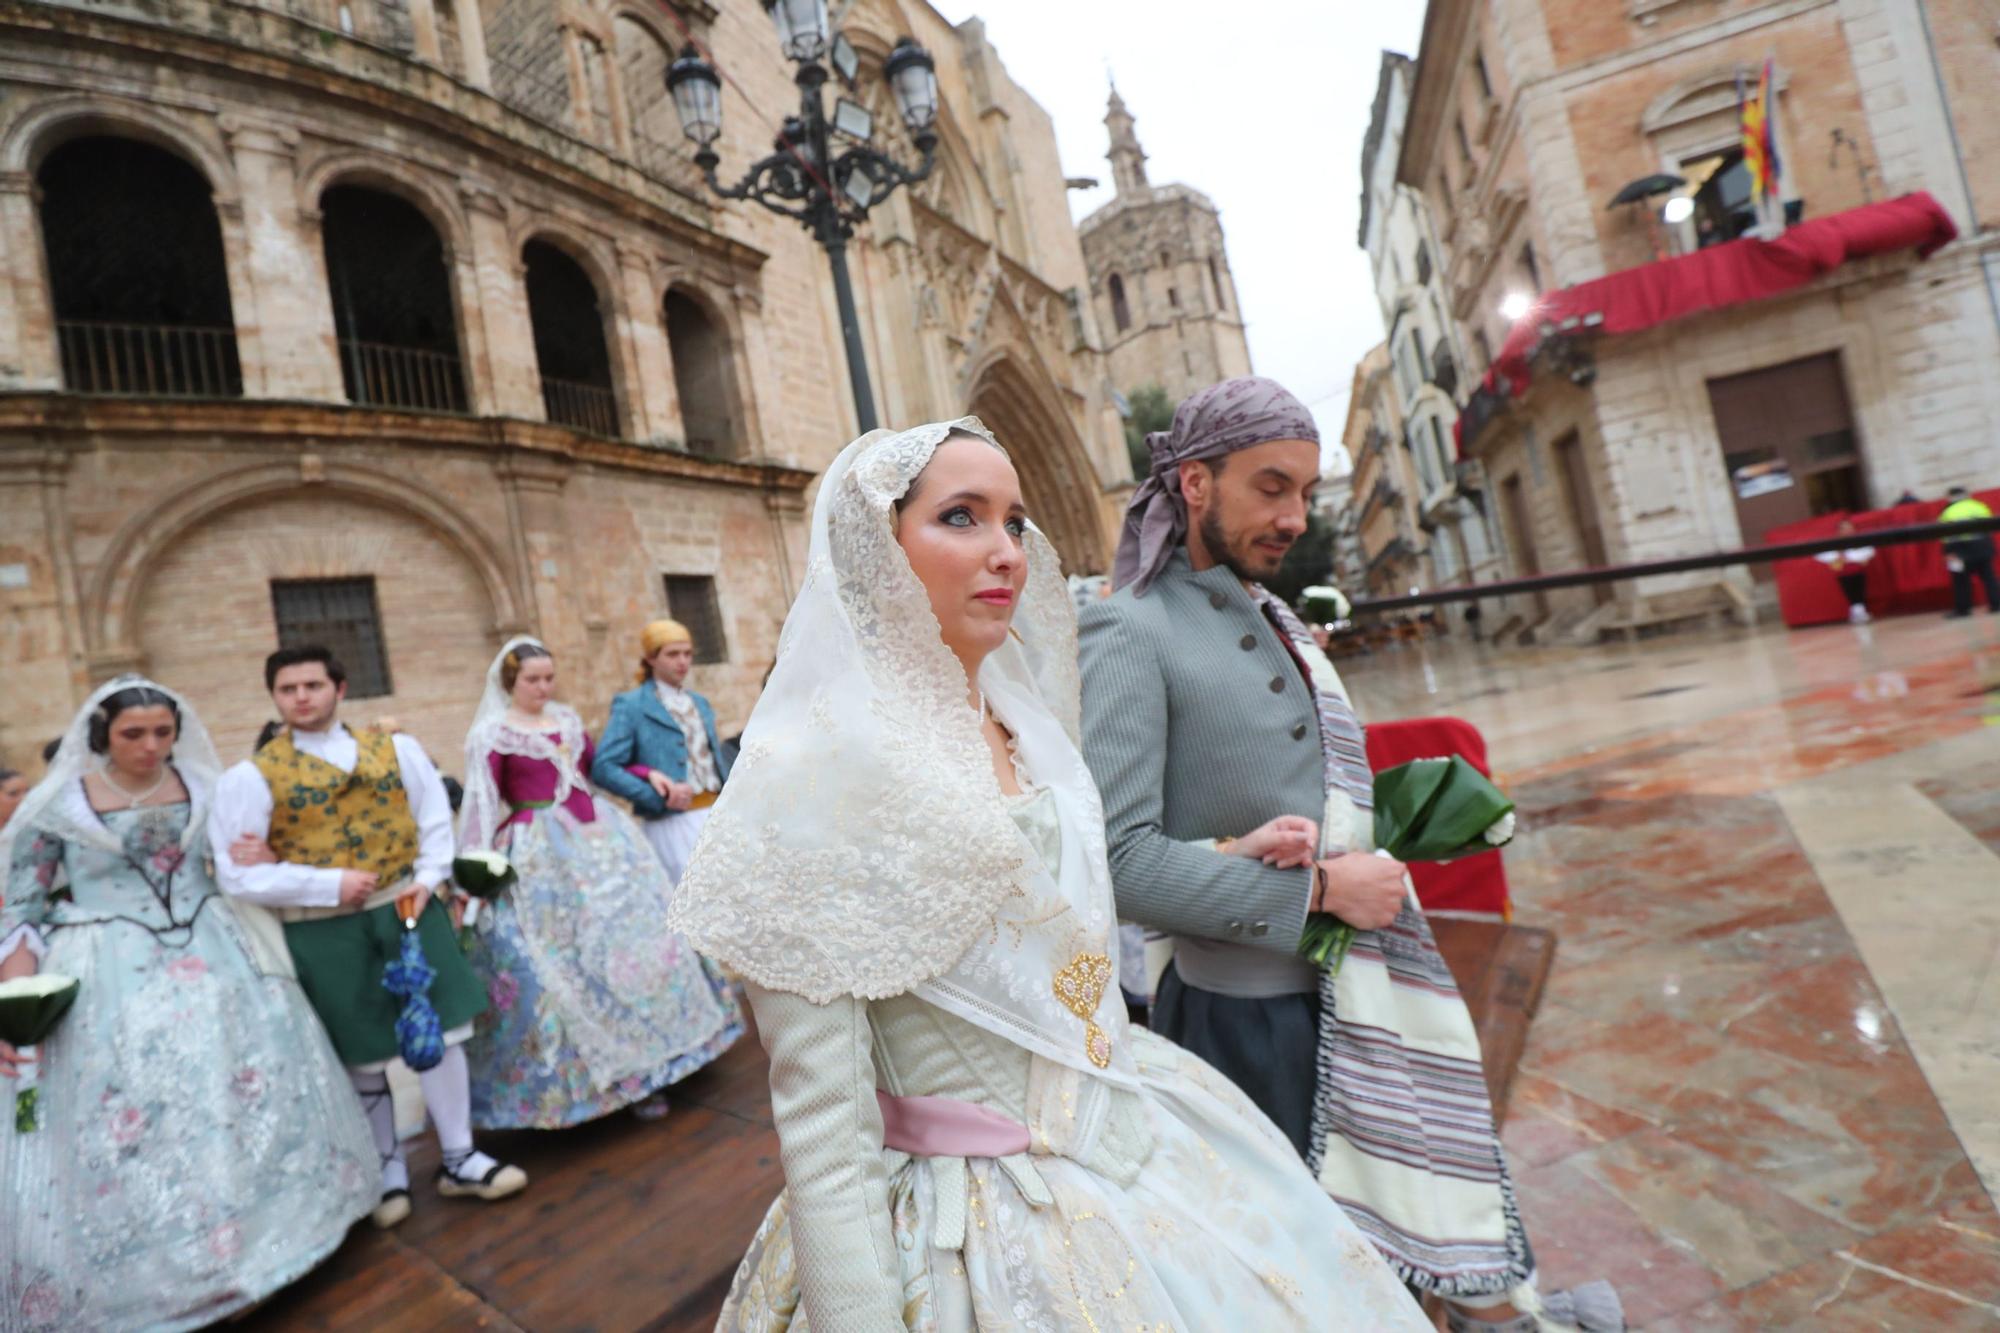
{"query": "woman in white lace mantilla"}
[(595, 1003), (908, 865), (199, 1144)]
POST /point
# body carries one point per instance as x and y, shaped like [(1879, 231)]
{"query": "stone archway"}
[(1056, 477), (203, 617)]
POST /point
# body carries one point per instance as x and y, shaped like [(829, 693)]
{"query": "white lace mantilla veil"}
[(482, 812), (58, 805), (862, 845)]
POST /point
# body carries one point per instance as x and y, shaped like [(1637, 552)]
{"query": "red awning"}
[(1723, 275)]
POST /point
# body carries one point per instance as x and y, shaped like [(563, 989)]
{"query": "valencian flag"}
[(1758, 113)]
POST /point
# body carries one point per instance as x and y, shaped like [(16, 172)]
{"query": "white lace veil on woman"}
[(59, 806), (862, 845), (482, 812)]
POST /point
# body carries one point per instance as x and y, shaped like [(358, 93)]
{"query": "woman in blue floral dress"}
[(198, 1146), (595, 1004)]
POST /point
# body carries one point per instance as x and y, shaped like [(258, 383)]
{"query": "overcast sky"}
[(1262, 106)]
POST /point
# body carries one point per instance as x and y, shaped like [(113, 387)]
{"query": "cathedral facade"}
[(1160, 283), (408, 325)]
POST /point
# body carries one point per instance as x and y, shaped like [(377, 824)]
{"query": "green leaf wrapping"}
[(26, 1101), (1425, 810), (1436, 810), (479, 876), (30, 1007)]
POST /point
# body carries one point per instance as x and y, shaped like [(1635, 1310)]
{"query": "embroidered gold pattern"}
[(1080, 986)]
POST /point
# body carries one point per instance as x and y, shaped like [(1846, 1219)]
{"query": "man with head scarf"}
[(1208, 712), (660, 750)]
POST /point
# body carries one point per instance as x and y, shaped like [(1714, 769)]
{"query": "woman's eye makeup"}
[(958, 516)]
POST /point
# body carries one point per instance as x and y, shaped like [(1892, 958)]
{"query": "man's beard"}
[(1216, 538)]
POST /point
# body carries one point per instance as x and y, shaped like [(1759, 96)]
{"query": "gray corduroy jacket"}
[(1197, 725)]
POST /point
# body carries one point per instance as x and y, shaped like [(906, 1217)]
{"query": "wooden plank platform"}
[(629, 1226)]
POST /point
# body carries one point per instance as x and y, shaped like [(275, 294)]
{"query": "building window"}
[(1464, 144), (1215, 277), (1444, 193), (1485, 346), (1723, 206), (1121, 311), (1166, 260), (691, 600), (1423, 264), (1174, 297), (340, 615), (1530, 267), (1479, 73)]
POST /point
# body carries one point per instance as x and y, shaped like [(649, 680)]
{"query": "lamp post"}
[(825, 174)]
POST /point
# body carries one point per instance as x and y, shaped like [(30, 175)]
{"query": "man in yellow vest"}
[(357, 821), (1969, 557)]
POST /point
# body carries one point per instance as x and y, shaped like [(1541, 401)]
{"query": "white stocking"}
[(447, 1089), (373, 1089)]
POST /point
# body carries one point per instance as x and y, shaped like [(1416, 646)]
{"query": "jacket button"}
[(1218, 600), (1277, 684), (1299, 732), (1261, 929), (1234, 928), (1248, 643)]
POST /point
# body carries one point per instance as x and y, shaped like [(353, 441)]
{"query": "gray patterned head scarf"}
[(1221, 419)]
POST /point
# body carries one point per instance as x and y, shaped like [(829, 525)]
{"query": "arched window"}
[(1215, 278), (703, 377), (136, 272), (570, 351), (643, 59), (1121, 312), (392, 303)]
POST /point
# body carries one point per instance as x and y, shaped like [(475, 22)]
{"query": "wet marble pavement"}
[(1765, 1077)]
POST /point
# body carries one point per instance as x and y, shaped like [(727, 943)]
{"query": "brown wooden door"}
[(1523, 534), (1583, 508), (1788, 444)]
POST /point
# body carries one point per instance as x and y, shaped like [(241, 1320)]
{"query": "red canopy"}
[(1736, 271)]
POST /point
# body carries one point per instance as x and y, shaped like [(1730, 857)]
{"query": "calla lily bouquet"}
[(1425, 810), (483, 874), (1323, 604), (30, 1008)]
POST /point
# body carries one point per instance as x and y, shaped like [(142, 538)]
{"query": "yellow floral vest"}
[(321, 816)]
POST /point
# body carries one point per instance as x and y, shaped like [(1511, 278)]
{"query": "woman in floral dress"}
[(595, 1004), (198, 1145)]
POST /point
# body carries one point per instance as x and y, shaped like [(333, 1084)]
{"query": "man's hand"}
[(356, 887), (1285, 842), (1364, 890), (12, 1063), (251, 850), (660, 783)]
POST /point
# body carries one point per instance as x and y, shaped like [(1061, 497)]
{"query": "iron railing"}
[(585, 407), (385, 375), (153, 360)]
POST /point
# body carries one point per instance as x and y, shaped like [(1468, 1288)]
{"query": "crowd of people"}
[(914, 871)]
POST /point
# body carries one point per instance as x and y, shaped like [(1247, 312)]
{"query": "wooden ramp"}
[(629, 1226)]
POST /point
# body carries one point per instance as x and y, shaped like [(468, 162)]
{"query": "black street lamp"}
[(824, 173)]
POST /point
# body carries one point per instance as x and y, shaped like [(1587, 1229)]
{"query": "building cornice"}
[(1446, 23), (31, 424)]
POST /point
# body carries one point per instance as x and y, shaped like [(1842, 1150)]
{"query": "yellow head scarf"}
[(656, 636)]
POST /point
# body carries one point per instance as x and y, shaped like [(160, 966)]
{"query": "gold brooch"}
[(1080, 986)]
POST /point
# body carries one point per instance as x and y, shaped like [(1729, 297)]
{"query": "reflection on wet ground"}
[(1765, 1080)]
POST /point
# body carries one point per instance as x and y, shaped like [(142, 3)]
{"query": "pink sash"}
[(947, 1127)]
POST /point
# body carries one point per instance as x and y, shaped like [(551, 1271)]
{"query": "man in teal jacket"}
[(659, 750)]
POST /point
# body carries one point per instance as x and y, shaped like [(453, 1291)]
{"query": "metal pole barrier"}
[(1576, 578)]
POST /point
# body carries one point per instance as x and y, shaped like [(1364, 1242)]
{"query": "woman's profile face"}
[(962, 526)]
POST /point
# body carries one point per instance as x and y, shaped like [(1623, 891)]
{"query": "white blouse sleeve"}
[(243, 805), (830, 1140)]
